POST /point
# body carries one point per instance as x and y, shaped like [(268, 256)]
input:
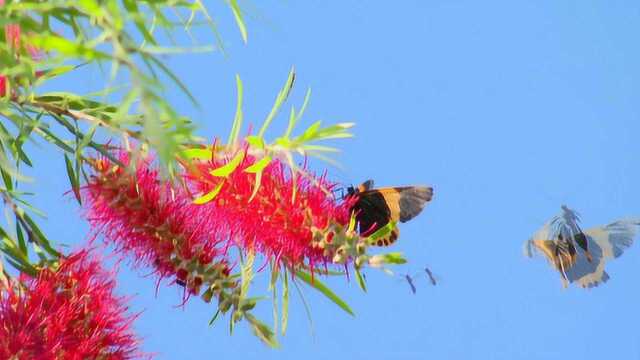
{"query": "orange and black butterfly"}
[(375, 208)]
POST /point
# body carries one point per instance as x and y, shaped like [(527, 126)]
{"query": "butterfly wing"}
[(375, 208)]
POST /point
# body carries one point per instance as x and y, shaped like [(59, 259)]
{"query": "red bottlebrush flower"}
[(3, 85), (282, 217), (67, 313), (155, 223)]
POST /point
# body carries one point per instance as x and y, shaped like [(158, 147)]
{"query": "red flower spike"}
[(3, 85), (281, 219), (67, 313), (156, 224)]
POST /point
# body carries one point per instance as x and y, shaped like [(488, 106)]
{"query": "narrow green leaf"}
[(292, 124), (307, 309), (247, 274), (209, 196), (238, 16), (8, 182), (276, 318), (22, 244), (213, 319), (86, 139), (64, 46), (262, 331), (394, 258), (259, 165), (285, 301), (255, 141), (310, 132), (275, 273), (324, 290), (175, 79), (307, 96), (237, 120), (382, 232), (256, 185), (226, 169), (280, 99), (197, 153), (73, 179), (138, 20), (40, 237), (361, 281)]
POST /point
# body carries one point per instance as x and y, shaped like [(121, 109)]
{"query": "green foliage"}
[(315, 283), (62, 36), (125, 36)]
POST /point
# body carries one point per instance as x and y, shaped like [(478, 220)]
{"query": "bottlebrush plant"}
[(206, 217)]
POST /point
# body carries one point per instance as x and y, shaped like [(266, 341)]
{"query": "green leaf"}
[(40, 237), (86, 139), (237, 120), (209, 196), (310, 132), (394, 258), (21, 242), (197, 153), (256, 185), (382, 232), (247, 274), (73, 179), (259, 165), (66, 47), (238, 16), (255, 141), (228, 168), (324, 290), (285, 301), (307, 96), (175, 79), (361, 281), (262, 331), (213, 319), (132, 8), (280, 99)]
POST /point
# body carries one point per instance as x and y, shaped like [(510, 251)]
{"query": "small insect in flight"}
[(411, 279), (375, 208)]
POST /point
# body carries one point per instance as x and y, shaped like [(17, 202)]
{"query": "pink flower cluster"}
[(280, 219), (67, 313), (159, 225)]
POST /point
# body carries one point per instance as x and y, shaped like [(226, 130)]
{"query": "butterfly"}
[(580, 256), (375, 208)]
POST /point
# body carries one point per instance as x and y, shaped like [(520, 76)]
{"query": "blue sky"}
[(507, 108)]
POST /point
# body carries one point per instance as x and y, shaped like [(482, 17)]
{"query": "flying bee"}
[(375, 208)]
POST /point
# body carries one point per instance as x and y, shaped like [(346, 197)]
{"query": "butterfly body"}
[(375, 208)]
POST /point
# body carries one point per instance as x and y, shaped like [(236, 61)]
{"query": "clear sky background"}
[(508, 108)]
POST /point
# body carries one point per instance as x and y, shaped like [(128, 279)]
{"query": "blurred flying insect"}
[(580, 256), (375, 208), (426, 274)]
